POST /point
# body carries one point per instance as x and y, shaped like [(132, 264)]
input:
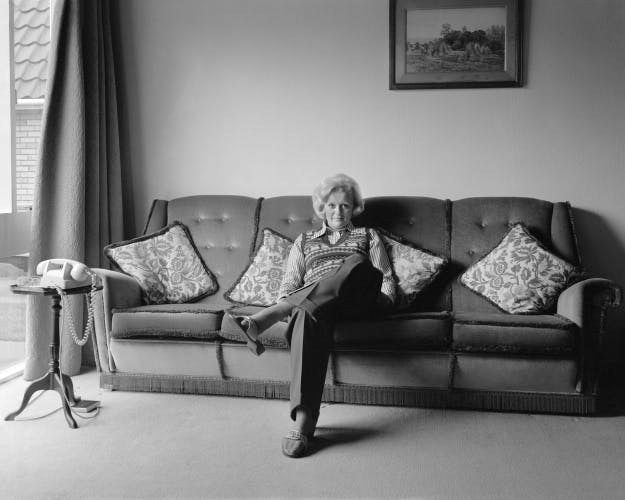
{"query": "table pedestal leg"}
[(53, 380), (41, 384), (50, 381)]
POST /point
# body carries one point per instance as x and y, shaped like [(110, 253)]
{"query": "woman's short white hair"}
[(337, 182)]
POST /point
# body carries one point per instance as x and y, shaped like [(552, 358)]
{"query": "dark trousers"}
[(349, 293)]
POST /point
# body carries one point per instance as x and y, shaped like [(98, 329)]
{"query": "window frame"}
[(11, 167)]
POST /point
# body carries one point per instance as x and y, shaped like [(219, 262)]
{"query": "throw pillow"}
[(414, 268), (259, 284), (519, 275), (166, 264)]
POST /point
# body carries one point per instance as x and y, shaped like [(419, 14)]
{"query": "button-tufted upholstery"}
[(479, 224), (462, 231), (288, 215), (453, 349), (226, 228), (424, 222), (223, 229)]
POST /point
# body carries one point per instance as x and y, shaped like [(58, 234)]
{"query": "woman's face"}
[(338, 209)]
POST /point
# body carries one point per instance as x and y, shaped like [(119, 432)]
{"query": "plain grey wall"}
[(264, 97)]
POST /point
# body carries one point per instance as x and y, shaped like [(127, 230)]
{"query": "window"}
[(6, 110), (25, 34)]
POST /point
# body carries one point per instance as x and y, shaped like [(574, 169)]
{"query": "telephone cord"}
[(92, 413), (89, 299)]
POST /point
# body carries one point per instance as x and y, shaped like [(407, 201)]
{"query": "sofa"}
[(451, 348)]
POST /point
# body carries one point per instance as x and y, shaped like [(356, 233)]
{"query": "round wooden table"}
[(54, 380)]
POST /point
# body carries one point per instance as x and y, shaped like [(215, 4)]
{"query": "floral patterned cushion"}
[(414, 269), (166, 265), (259, 284), (519, 276)]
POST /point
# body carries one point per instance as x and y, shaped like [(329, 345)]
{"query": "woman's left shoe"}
[(295, 444), (250, 334)]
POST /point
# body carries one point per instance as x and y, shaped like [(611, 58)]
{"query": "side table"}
[(54, 380)]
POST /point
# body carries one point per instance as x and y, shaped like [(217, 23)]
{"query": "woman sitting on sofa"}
[(338, 271)]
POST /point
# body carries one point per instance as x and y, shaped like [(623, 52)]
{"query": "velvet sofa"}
[(452, 348)]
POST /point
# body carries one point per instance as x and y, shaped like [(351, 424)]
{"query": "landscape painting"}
[(455, 43), (455, 39)]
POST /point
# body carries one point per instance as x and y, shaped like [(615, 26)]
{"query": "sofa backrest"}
[(479, 224), (223, 229), (425, 223), (422, 221), (227, 229), (288, 215)]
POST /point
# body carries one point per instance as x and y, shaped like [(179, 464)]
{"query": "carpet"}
[(145, 445)]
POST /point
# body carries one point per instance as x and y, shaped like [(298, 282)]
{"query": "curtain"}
[(78, 206)]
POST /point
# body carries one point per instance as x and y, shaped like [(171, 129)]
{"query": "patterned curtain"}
[(78, 205)]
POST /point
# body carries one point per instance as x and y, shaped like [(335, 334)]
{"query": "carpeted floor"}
[(177, 446)]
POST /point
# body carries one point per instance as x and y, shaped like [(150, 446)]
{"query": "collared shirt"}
[(296, 268)]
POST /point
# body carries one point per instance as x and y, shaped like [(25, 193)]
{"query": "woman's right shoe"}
[(295, 444), (250, 333)]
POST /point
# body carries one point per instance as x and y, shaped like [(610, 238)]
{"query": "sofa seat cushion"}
[(523, 334), (167, 321), (412, 331), (274, 336)]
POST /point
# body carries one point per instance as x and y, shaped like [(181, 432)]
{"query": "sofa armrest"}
[(586, 303), (597, 292), (119, 291)]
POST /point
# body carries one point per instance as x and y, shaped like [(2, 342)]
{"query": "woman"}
[(338, 271)]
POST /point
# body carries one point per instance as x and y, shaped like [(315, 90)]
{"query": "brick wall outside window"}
[(27, 136)]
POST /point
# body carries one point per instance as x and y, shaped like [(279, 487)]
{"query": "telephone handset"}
[(64, 274)]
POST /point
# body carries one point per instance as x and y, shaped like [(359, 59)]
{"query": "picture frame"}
[(455, 44)]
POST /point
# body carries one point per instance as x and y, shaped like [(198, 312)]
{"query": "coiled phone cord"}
[(89, 300)]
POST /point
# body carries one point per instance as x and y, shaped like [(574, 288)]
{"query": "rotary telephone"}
[(65, 274)]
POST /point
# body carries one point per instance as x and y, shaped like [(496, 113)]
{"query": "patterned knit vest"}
[(322, 258)]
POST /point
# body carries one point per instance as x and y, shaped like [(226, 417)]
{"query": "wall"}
[(264, 97), (15, 227), (27, 137)]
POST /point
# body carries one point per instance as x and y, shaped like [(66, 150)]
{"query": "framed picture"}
[(455, 43)]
